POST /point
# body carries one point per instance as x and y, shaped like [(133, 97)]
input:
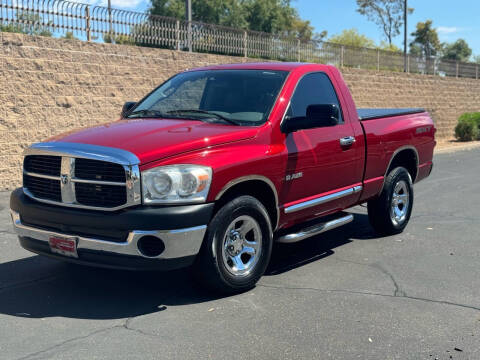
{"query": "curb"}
[(456, 147)]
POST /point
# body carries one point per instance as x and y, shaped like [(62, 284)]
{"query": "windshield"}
[(236, 97)]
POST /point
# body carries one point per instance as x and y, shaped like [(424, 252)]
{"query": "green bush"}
[(468, 127), (473, 116), (69, 36), (120, 39)]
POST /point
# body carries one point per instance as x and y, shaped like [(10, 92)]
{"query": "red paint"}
[(371, 187), (264, 151), (152, 139)]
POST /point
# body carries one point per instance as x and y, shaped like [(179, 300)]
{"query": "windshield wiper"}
[(146, 113), (221, 117)]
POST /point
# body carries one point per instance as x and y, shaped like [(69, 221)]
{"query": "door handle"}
[(347, 141)]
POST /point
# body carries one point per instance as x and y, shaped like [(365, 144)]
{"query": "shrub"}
[(69, 35), (468, 127), (120, 39), (473, 116), (28, 23)]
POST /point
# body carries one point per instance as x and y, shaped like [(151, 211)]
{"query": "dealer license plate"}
[(66, 246)]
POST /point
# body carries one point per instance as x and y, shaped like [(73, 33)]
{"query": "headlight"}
[(176, 184)]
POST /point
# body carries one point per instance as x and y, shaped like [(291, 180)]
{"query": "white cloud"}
[(122, 4), (445, 30)]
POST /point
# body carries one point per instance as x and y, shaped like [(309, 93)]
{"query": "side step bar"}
[(315, 229)]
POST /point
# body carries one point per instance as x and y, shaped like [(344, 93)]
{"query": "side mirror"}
[(127, 107), (318, 115)]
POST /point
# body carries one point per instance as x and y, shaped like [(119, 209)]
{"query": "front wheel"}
[(236, 248), (390, 212)]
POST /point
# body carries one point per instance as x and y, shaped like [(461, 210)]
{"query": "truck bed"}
[(389, 131), (369, 114)]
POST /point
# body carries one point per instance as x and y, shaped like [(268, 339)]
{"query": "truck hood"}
[(155, 139)]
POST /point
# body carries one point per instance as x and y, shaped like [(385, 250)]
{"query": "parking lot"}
[(347, 294)]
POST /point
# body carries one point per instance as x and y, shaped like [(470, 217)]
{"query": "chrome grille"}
[(67, 180), (46, 165), (99, 170), (42, 188), (107, 195)]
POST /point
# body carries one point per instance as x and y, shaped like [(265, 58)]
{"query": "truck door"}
[(322, 173)]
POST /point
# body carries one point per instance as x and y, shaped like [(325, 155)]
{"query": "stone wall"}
[(445, 98), (49, 86)]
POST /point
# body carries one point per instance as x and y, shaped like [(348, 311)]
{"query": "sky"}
[(452, 19)]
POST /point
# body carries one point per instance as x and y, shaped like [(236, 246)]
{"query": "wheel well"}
[(408, 159), (258, 189)]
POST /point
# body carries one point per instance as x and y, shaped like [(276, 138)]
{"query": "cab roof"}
[(285, 66)]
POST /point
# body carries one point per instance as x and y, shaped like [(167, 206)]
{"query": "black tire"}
[(380, 209), (210, 267)]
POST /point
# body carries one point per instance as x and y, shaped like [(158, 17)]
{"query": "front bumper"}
[(111, 239)]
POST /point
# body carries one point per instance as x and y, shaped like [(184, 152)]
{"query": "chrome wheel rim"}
[(242, 246), (400, 202)]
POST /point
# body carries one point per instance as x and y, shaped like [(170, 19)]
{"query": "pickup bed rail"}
[(369, 114)]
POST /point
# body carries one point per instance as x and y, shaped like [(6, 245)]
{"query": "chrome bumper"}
[(178, 243)]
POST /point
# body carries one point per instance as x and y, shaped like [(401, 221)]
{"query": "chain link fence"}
[(98, 23)]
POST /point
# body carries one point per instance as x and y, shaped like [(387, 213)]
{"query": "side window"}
[(314, 88)]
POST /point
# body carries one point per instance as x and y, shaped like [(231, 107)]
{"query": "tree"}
[(458, 51), (171, 8), (387, 14), (476, 59), (318, 37), (389, 47), (29, 23), (352, 37), (271, 16), (301, 30), (219, 12), (425, 40)]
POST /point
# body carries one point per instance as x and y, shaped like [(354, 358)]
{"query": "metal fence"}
[(97, 23)]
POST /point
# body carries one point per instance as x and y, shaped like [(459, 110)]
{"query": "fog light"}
[(150, 246)]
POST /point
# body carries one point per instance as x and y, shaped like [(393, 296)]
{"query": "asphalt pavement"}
[(347, 294)]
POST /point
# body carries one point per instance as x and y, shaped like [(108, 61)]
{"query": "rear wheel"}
[(390, 212), (236, 248)]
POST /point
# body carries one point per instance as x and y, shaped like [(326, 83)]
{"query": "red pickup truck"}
[(216, 164)]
